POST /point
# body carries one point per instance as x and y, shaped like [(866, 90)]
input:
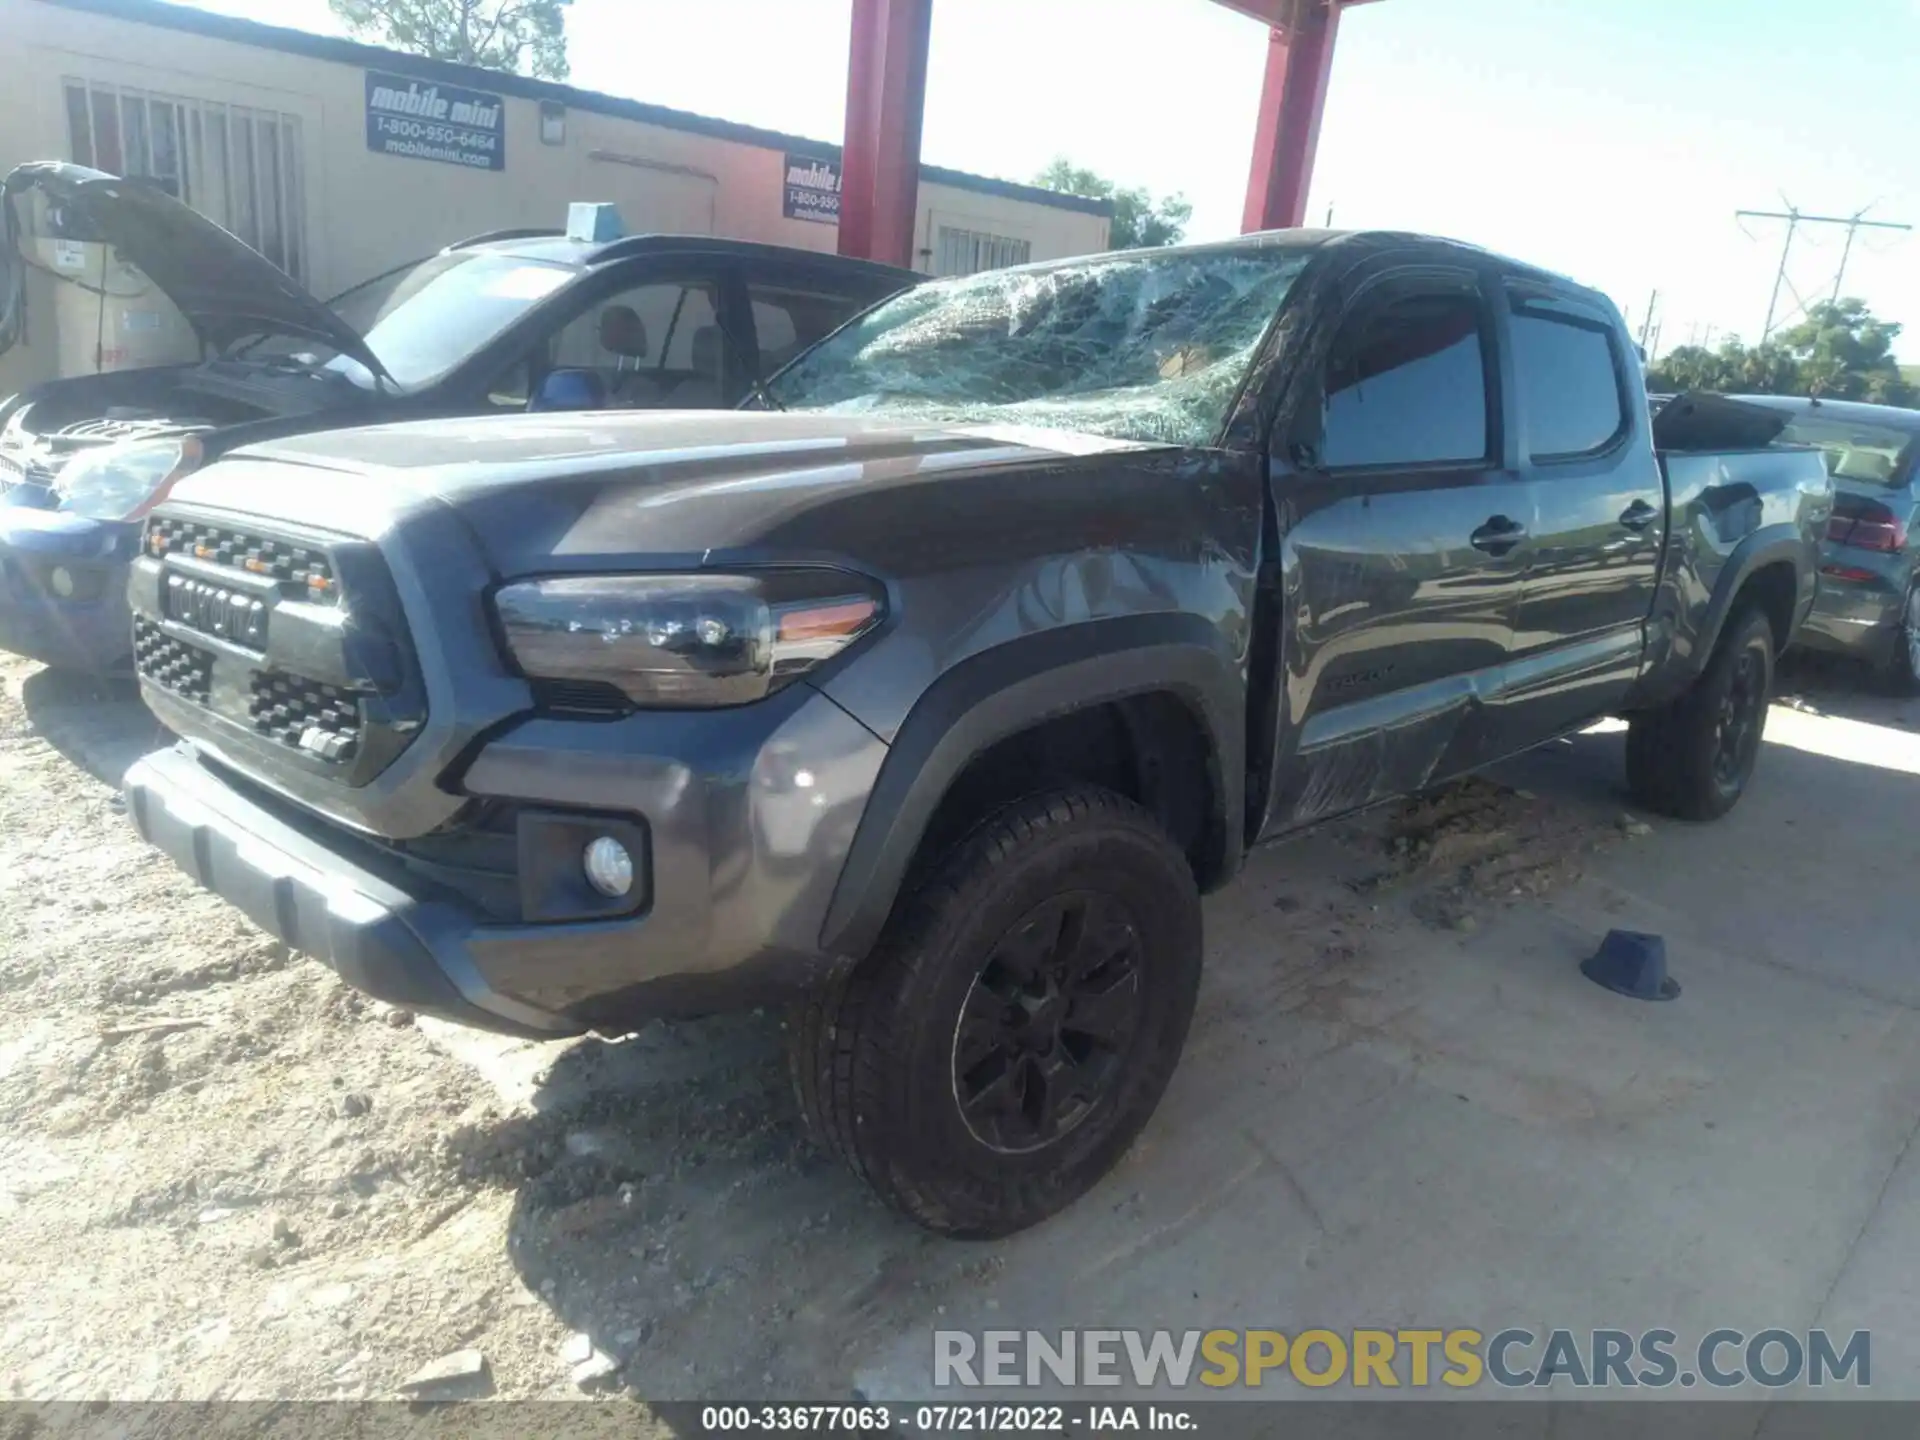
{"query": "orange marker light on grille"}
[(205, 552), (827, 622), (319, 582)]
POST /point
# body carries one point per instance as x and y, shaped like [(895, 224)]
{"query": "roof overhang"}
[(1281, 14)]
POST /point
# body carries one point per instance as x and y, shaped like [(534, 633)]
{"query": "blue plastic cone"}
[(1632, 964)]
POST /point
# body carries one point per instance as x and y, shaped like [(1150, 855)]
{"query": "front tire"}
[(1693, 758), (1017, 1023)]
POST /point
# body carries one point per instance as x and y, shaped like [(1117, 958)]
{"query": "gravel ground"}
[(223, 1175)]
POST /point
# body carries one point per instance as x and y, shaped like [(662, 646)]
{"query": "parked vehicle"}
[(507, 322), (938, 701), (1869, 605)]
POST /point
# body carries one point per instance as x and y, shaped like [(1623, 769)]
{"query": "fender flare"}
[(1010, 688), (1774, 545), (1688, 648)]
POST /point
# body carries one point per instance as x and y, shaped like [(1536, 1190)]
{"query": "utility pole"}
[(1795, 218), (1646, 321)]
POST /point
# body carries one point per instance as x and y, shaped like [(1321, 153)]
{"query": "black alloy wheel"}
[(1743, 705), (1044, 1030), (1694, 757)]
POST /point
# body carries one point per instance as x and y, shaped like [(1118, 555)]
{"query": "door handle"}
[(1639, 515), (1498, 535)]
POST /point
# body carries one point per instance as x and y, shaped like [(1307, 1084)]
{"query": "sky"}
[(1611, 140)]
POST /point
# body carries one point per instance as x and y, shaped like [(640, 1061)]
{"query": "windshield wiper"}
[(764, 395)]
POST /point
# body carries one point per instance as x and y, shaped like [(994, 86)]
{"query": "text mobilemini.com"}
[(1413, 1358)]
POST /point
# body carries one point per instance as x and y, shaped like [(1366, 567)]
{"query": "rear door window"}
[(1568, 368)]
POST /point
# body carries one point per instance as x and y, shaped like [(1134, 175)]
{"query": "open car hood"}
[(227, 290)]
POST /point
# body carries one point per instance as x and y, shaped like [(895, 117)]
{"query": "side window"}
[(1406, 380), (1569, 379), (789, 318), (658, 345)]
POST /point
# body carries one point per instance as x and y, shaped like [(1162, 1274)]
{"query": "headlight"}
[(124, 481), (685, 641)]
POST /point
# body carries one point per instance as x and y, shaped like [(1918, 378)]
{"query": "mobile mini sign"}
[(430, 121), (813, 189)]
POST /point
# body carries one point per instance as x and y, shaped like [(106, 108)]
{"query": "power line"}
[(1795, 218)]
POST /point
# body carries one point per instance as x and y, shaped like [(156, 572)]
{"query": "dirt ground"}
[(224, 1175)]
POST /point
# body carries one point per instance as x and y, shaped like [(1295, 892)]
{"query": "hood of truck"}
[(625, 490), (227, 290)]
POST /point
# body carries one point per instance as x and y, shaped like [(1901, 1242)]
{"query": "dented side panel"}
[(1732, 515)]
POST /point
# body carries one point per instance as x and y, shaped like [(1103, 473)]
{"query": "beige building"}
[(338, 161)]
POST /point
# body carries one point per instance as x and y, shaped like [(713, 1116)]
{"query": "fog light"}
[(62, 582), (609, 867)]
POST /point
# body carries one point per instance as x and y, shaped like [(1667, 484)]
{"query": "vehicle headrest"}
[(706, 349), (623, 332), (1864, 465)]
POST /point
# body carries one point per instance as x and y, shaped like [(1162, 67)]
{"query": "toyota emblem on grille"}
[(214, 610)]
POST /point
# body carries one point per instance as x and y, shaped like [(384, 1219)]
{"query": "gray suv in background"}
[(1869, 603)]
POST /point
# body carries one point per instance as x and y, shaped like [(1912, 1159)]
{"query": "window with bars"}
[(968, 252), (240, 167)]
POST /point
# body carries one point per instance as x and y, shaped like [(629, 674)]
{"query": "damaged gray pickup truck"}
[(935, 703)]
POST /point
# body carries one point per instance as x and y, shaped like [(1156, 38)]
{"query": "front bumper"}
[(91, 630), (747, 814), (405, 948)]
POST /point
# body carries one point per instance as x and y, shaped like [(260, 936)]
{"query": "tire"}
[(1901, 674), (1693, 759), (883, 1059)]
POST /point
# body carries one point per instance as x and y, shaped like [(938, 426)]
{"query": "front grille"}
[(186, 670), (240, 550), (320, 719), (308, 668), (16, 470)]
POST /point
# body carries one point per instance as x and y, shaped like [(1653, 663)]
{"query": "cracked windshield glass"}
[(1149, 347)]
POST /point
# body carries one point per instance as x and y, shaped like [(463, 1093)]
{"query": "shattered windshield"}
[(1145, 346)]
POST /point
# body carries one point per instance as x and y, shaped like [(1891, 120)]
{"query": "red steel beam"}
[(1292, 98), (886, 95)]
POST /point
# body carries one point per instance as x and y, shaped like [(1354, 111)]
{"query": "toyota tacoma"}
[(933, 691)]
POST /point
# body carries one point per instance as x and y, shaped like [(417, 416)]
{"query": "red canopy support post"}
[(886, 95), (1299, 62)]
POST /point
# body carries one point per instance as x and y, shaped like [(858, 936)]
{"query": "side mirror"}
[(570, 390)]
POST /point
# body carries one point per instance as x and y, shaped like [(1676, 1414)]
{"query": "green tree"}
[(1687, 367), (1845, 352), (1138, 219), (527, 37), (1839, 350)]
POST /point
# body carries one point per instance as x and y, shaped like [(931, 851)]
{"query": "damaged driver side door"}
[(1403, 540)]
